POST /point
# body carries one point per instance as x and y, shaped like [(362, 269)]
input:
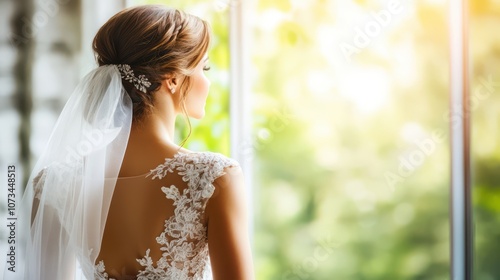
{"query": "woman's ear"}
[(172, 83), (165, 95)]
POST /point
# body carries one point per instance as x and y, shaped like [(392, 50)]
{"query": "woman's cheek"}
[(206, 84)]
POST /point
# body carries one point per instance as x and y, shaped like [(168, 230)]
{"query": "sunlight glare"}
[(367, 87)]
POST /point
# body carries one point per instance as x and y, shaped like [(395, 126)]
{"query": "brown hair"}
[(155, 41)]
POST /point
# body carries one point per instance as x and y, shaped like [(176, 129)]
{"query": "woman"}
[(113, 196)]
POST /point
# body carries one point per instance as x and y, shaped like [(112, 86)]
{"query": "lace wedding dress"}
[(159, 216), (185, 183)]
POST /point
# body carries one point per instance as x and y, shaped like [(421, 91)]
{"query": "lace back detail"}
[(184, 239)]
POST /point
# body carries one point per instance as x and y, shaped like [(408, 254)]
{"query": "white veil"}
[(65, 204)]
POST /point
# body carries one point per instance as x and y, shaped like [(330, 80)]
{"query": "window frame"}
[(461, 223)]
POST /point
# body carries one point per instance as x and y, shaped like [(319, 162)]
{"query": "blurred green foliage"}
[(485, 104), (322, 178)]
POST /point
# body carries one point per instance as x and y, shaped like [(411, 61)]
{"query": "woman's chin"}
[(198, 115)]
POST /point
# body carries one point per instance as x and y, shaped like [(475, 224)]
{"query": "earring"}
[(172, 89)]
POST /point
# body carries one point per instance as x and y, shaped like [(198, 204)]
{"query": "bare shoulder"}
[(232, 174), (229, 189)]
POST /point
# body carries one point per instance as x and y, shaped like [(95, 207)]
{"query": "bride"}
[(113, 196)]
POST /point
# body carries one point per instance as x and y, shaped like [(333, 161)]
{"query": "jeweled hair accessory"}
[(140, 82)]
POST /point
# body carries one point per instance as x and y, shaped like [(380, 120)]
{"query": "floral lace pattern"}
[(184, 241)]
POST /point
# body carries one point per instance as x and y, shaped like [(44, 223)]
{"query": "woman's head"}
[(166, 45)]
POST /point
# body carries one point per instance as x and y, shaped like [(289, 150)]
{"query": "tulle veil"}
[(62, 214)]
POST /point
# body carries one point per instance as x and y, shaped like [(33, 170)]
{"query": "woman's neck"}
[(153, 129)]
